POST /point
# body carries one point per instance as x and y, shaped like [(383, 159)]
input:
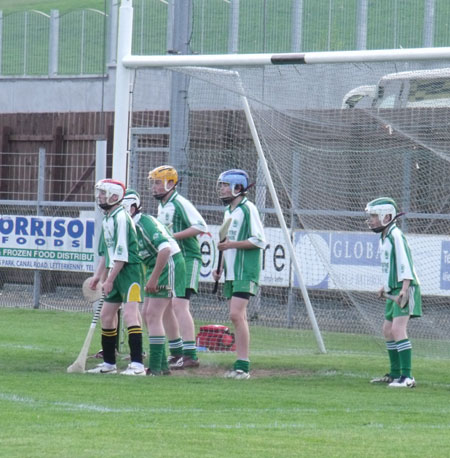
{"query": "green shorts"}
[(239, 286), (127, 285), (413, 308), (193, 266), (172, 278)]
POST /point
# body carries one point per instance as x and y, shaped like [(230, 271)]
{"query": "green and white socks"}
[(400, 353)]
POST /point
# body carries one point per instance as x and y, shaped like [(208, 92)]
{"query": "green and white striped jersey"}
[(245, 225), (152, 238), (118, 239), (182, 214), (396, 260)]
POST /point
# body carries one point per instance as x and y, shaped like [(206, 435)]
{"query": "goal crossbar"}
[(380, 55)]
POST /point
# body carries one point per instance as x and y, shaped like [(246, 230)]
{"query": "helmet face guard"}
[(113, 190), (131, 198), (165, 173), (382, 207), (233, 178)]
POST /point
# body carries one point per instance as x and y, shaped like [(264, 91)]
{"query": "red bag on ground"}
[(215, 337)]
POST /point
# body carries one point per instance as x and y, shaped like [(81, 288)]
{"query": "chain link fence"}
[(46, 246)]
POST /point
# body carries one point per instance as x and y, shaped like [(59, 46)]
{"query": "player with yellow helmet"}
[(178, 213)]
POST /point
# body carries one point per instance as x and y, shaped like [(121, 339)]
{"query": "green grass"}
[(11, 6), (294, 405)]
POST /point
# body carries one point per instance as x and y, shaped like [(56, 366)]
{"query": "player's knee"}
[(236, 316)]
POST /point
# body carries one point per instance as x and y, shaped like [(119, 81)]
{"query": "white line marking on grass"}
[(275, 425), (21, 347), (30, 348), (98, 408), (84, 407)]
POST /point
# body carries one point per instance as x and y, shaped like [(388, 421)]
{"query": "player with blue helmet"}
[(242, 254)]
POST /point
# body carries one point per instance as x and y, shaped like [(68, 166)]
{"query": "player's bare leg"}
[(171, 323), (238, 316), (183, 315)]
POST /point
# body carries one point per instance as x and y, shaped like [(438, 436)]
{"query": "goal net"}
[(334, 137)]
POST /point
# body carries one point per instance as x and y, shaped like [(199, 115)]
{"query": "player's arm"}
[(109, 282), (161, 260), (121, 238), (101, 271), (403, 263), (187, 233), (239, 245), (255, 237), (404, 267), (192, 220), (404, 293), (99, 274)]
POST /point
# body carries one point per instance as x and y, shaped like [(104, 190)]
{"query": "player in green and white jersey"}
[(121, 269), (242, 254), (165, 277), (400, 280), (186, 223)]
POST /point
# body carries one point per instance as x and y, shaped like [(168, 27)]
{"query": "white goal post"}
[(285, 118)]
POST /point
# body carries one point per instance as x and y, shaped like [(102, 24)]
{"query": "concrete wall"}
[(75, 94)]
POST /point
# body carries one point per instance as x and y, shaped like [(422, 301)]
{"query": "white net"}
[(334, 137)]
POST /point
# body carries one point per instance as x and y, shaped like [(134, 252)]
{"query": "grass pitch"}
[(302, 404)]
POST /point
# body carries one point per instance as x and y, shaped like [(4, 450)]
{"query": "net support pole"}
[(273, 194), (122, 99)]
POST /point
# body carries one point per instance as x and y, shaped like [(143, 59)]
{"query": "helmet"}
[(382, 207), (165, 173), (114, 191), (131, 198), (234, 177)]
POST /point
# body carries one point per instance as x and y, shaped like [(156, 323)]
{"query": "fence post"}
[(169, 28), (179, 145), (361, 24), (53, 44), (5, 145), (297, 26), (100, 174), (233, 28), (40, 199), (112, 31), (428, 23), (25, 41), (59, 174)]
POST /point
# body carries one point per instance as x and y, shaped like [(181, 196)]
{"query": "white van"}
[(362, 96), (421, 88)]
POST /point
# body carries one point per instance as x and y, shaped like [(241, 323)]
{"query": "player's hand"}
[(216, 274), (93, 283), (380, 293), (107, 286), (152, 285), (225, 245), (402, 298)]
